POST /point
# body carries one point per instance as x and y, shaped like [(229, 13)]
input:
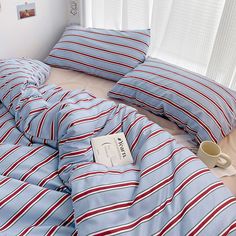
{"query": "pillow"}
[(110, 54), (205, 109)]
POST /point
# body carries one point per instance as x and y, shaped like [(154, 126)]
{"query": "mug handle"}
[(226, 163)]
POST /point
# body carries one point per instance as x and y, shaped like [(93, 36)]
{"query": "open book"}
[(112, 150)]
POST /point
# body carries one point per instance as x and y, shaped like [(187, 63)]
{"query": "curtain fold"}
[(222, 64), (187, 33), (199, 35), (117, 14)]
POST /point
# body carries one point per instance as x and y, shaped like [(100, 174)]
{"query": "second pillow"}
[(202, 107), (109, 54)]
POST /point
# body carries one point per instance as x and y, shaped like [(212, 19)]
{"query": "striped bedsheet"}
[(49, 184)]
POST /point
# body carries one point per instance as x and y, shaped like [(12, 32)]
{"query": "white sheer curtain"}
[(117, 14), (199, 35)]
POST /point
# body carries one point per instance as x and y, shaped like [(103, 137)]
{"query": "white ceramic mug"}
[(210, 153)]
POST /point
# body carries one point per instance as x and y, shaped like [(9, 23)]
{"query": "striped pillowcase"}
[(203, 108), (109, 54)]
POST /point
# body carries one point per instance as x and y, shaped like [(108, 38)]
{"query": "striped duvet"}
[(49, 184)]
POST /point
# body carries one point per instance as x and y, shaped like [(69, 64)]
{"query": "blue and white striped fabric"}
[(110, 54), (33, 199), (167, 191), (203, 108)]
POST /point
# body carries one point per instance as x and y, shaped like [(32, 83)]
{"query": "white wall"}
[(34, 36)]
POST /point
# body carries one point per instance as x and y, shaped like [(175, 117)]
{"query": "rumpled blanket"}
[(50, 184)]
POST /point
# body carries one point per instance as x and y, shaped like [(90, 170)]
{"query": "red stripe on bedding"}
[(102, 41), (185, 97), (111, 35), (87, 65), (93, 57), (175, 105), (101, 49)]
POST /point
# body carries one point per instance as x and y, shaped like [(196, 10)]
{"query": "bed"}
[(100, 87), (50, 184)]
